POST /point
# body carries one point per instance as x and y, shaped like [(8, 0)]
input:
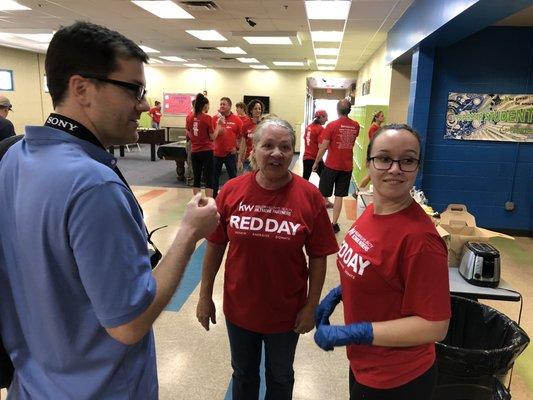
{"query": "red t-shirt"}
[(248, 129), (198, 129), (372, 130), (155, 113), (230, 132), (393, 266), (341, 134), (266, 273), (312, 138)]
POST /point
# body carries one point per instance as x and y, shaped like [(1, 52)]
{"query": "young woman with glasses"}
[(394, 282)]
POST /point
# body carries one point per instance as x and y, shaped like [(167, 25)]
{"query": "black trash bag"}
[(481, 341), (500, 392), (469, 388)]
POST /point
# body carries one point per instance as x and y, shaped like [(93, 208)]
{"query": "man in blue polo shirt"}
[(78, 296)]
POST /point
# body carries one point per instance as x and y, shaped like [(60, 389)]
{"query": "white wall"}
[(29, 106), (379, 73), (399, 93)]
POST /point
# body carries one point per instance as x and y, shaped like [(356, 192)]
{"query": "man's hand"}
[(304, 320), (205, 311), (315, 167), (239, 166), (201, 216)]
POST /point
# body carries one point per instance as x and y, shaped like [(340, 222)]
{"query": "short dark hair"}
[(85, 48), (251, 105), (157, 102), (389, 127), (199, 102), (344, 107), (375, 117), (226, 99), (241, 105)]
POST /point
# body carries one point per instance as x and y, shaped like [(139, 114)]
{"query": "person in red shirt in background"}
[(228, 128), (199, 127), (155, 114), (240, 109), (377, 120), (312, 138), (255, 111), (393, 270), (338, 139), (268, 217)]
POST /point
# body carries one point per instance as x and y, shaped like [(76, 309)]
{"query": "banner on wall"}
[(177, 103), (496, 117)]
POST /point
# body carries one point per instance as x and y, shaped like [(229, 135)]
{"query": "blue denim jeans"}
[(231, 167), (246, 348)]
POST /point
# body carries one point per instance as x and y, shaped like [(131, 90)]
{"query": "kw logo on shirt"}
[(352, 262)]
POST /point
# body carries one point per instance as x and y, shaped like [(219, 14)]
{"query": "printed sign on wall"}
[(177, 103), (497, 117)]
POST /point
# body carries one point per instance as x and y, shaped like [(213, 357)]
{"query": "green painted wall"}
[(363, 115)]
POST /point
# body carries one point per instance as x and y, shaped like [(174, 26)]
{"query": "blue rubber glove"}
[(327, 306), (329, 336)]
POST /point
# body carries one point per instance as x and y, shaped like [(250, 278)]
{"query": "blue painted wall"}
[(482, 175), (442, 22)]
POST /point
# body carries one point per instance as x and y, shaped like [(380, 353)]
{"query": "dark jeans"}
[(202, 165), (230, 161), (245, 349), (420, 388)]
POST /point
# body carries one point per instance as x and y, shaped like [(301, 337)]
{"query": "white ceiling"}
[(364, 31)]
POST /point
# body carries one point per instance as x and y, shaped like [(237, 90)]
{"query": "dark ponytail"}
[(199, 102)]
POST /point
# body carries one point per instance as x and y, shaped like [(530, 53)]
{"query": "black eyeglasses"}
[(384, 163), (139, 90)]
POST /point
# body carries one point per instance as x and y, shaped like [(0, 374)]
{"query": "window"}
[(6, 80)]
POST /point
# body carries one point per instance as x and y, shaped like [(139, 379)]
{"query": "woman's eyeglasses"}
[(384, 163)]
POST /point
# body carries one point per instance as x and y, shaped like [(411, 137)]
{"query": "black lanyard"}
[(76, 129)]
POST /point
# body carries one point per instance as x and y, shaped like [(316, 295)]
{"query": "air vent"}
[(200, 5), (203, 48), (227, 58)]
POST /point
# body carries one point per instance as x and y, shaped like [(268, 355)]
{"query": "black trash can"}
[(480, 348)]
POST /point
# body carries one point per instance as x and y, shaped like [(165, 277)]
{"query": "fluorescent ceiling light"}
[(268, 39), (320, 68), (173, 58), (327, 9), (260, 66), (207, 35), (11, 5), (321, 51), (289, 63), (327, 61), (147, 49), (195, 65), (231, 50), (164, 9), (154, 61), (326, 36), (247, 60)]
